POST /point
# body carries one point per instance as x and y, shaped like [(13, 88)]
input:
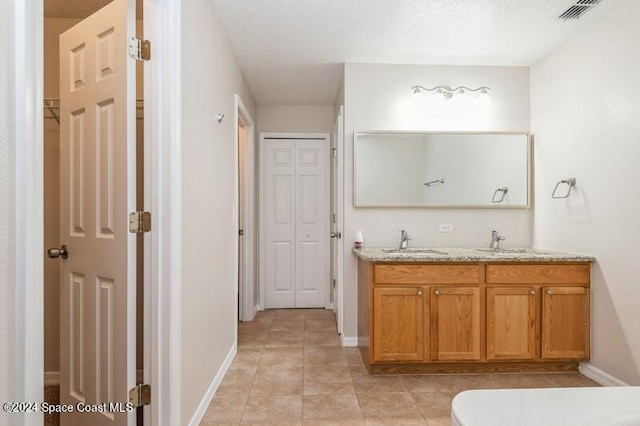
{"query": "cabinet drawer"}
[(426, 274), (538, 274)]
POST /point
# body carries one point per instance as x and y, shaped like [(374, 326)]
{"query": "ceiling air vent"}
[(578, 9)]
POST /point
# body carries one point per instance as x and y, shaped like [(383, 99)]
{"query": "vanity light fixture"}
[(448, 92)]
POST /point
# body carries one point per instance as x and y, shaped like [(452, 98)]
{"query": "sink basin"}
[(526, 251), (412, 251)]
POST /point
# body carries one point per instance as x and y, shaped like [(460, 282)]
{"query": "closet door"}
[(279, 220), (311, 224), (295, 212)]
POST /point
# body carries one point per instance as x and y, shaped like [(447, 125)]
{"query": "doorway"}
[(247, 284), (59, 369), (294, 220)]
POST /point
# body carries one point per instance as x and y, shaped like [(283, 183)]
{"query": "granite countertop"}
[(381, 254)]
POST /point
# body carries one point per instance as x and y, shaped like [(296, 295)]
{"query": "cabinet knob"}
[(532, 292), (549, 292), (437, 292), (419, 293)]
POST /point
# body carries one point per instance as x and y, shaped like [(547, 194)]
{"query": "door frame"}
[(246, 217), (285, 135), (163, 168), (338, 187)]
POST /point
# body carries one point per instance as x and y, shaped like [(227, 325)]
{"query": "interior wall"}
[(295, 118), (7, 208), (585, 117), (379, 97), (210, 78)]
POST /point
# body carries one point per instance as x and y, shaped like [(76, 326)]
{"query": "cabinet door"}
[(565, 323), (511, 323), (397, 324), (455, 323)]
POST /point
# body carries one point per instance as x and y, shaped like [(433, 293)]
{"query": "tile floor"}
[(292, 369)]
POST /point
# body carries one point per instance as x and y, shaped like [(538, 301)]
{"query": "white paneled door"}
[(295, 218), (97, 190)]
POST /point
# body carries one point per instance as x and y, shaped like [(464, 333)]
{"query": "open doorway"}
[(59, 18), (247, 283)]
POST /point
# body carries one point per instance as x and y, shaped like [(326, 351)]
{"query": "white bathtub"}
[(619, 406)]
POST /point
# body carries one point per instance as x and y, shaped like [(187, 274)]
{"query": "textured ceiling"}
[(291, 50), (77, 8)]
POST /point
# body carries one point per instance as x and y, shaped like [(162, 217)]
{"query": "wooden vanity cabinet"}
[(473, 317), (455, 323), (398, 332), (558, 329), (565, 323)]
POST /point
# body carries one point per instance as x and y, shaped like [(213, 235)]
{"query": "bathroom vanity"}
[(472, 310)]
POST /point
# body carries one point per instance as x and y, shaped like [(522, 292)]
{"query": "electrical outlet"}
[(446, 227)]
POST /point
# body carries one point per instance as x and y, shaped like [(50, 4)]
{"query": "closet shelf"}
[(52, 109)]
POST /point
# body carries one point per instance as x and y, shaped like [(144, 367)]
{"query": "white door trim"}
[(281, 135), (163, 198), (247, 310), (163, 170), (340, 217), (27, 56)]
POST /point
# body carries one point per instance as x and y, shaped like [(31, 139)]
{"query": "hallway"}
[(292, 369)]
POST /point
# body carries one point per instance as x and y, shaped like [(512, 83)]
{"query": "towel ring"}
[(502, 190), (569, 181)]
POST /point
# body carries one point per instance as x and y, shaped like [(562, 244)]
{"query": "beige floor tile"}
[(319, 314), (251, 340), (273, 409), (225, 409), (285, 339), (353, 355), (395, 421), (282, 357), (289, 314), (327, 380), (322, 338), (290, 325), (433, 405), (376, 405), (235, 377), (246, 360), (319, 324), (276, 387), (238, 390), (330, 407), (353, 422), (440, 421), (379, 384), (281, 372), (358, 370), (569, 380), (324, 355), (435, 383)]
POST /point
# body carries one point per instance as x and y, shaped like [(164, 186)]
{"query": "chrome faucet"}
[(404, 239), (495, 240)]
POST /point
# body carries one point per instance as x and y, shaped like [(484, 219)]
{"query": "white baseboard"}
[(599, 376), (208, 396), (52, 378), (349, 341)]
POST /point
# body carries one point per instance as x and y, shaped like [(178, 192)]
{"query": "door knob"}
[(54, 253), (337, 235)]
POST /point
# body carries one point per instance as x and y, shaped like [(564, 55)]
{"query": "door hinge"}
[(334, 152), (333, 215), (140, 395), (139, 222), (139, 49), (240, 231), (334, 283)]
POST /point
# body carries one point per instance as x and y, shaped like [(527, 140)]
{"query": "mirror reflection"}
[(441, 169)]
